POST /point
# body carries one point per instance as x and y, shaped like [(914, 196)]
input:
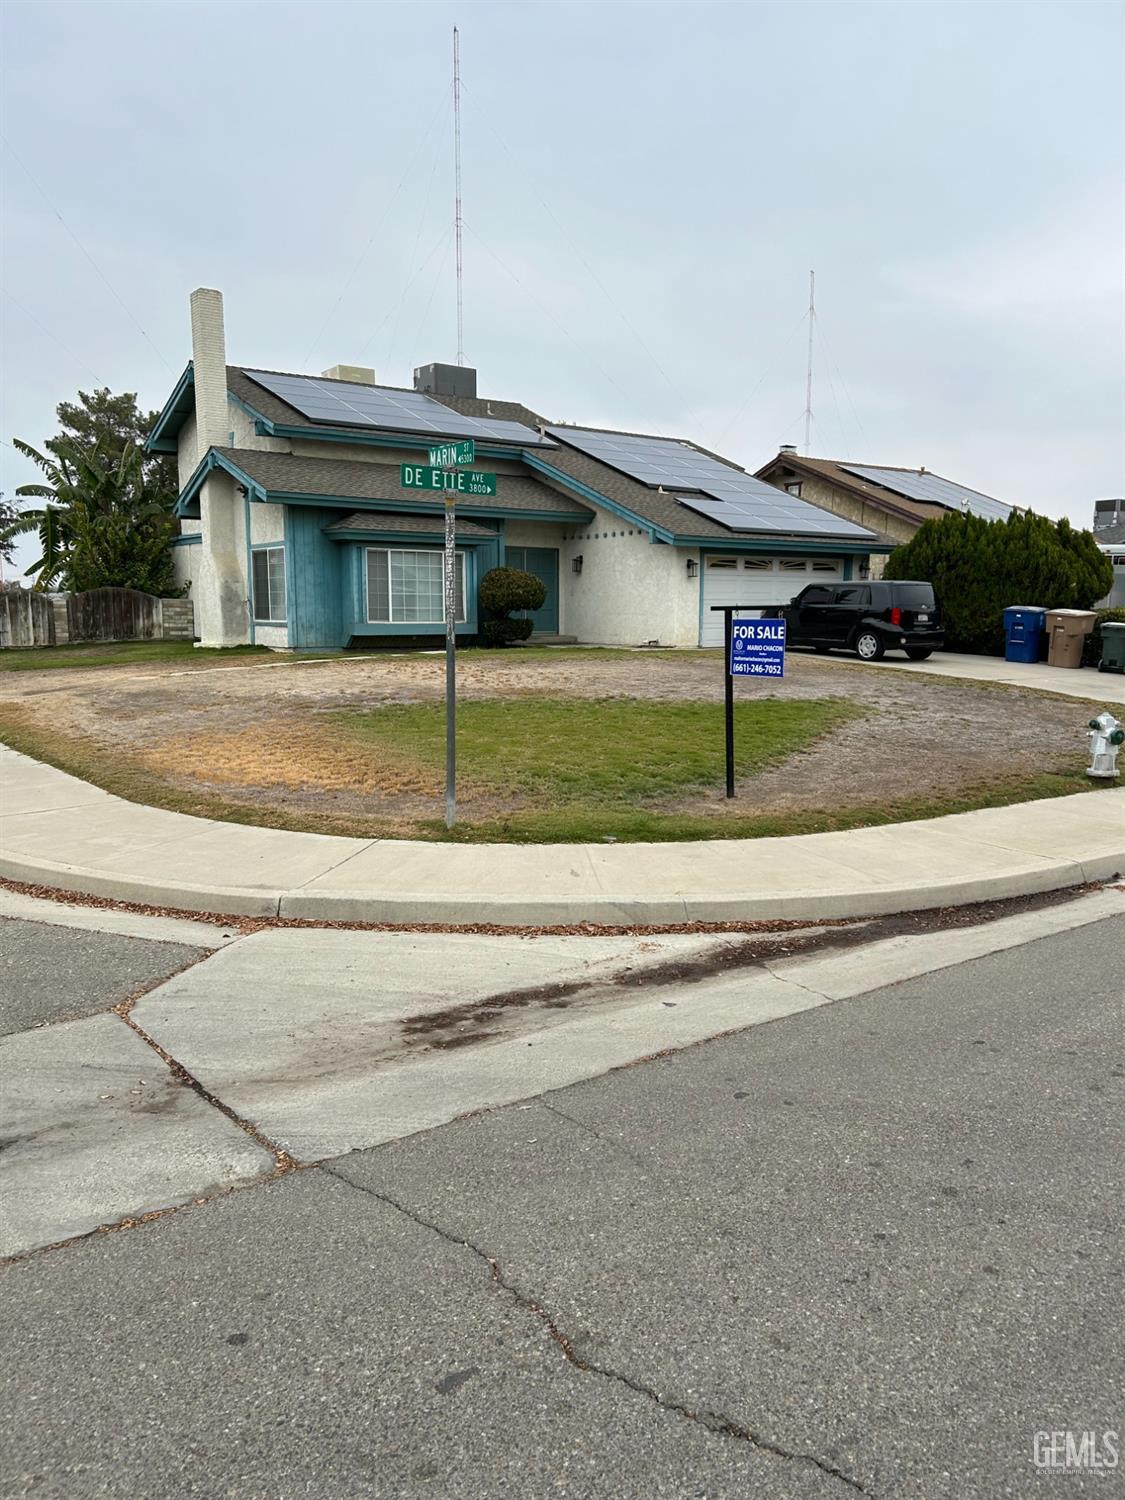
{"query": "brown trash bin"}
[(1067, 629)]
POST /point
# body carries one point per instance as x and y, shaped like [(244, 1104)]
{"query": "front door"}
[(543, 562)]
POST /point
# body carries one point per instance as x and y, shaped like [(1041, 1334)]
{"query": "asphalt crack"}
[(715, 1422)]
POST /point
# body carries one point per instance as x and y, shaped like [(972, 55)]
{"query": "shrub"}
[(501, 591), (1092, 648), (978, 568), (505, 631)]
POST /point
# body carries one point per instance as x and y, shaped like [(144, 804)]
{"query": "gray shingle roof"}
[(351, 479), (1111, 536), (661, 509), (384, 521)]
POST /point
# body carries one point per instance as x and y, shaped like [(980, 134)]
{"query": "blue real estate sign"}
[(757, 648)]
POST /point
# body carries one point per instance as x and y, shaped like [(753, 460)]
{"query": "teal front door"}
[(544, 563)]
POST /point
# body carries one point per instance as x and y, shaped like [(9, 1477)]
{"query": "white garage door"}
[(758, 580)]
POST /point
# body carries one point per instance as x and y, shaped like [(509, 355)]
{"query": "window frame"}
[(265, 549), (407, 627)]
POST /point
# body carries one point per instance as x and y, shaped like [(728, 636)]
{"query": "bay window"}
[(404, 587)]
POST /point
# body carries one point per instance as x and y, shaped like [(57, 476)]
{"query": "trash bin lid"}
[(1111, 626), (1026, 609)]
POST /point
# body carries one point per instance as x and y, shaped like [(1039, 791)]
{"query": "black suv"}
[(868, 618)]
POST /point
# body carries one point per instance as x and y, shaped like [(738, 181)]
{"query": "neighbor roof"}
[(1111, 536), (837, 474)]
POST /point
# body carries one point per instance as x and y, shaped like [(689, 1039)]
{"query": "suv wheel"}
[(919, 653), (869, 646)]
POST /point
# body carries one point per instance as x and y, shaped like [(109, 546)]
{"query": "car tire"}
[(869, 646), (919, 653)]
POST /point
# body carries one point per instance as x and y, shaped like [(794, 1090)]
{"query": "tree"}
[(100, 526), (107, 514), (9, 515), (978, 568), (501, 591)]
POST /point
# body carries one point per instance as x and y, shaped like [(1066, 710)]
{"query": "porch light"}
[(577, 563), (692, 567)]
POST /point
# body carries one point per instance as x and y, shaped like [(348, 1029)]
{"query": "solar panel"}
[(347, 404), (725, 494), (934, 490)]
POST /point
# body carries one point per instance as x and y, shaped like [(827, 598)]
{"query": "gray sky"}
[(646, 189)]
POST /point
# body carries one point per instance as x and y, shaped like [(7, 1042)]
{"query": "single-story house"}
[(1109, 533), (298, 530), (892, 501)]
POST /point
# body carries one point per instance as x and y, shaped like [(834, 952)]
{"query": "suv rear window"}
[(913, 595)]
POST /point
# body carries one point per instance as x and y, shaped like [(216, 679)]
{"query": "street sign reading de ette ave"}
[(456, 482), (757, 648), (447, 455)]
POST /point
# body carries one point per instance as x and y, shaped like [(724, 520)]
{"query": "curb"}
[(601, 910)]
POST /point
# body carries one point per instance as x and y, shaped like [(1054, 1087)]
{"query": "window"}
[(793, 565), (793, 489), (722, 562), (824, 567), (758, 564), (850, 595), (405, 588), (269, 585), (814, 594)]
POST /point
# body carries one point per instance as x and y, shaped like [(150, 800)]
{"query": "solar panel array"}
[(724, 494), (934, 490), (345, 404)]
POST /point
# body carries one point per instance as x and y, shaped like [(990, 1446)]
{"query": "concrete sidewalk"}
[(1105, 688), (58, 831)]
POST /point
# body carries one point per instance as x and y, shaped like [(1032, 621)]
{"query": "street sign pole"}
[(450, 661)]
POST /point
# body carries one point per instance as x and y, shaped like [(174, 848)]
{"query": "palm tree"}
[(99, 526)]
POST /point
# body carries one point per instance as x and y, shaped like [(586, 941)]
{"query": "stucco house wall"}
[(630, 590)]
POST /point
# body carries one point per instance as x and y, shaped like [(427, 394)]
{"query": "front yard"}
[(554, 745)]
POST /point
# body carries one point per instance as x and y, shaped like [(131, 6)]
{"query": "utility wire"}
[(30, 316), (426, 201), (446, 235), (116, 294), (380, 223), (561, 227), (843, 383), (768, 370), (585, 353)]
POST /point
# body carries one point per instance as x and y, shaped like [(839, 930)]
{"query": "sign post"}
[(450, 661), (751, 648)]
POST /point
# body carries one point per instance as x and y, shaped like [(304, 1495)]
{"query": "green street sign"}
[(447, 454), (459, 482)]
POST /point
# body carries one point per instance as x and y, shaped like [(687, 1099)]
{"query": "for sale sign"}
[(757, 648)]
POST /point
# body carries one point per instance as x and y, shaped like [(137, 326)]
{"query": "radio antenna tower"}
[(808, 378), (458, 223)]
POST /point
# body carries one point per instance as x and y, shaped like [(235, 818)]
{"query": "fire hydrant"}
[(1105, 735)]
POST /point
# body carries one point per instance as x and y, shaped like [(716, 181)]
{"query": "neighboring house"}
[(297, 532), (892, 501), (1109, 533)]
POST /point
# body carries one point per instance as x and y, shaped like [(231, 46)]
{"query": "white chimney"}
[(209, 361)]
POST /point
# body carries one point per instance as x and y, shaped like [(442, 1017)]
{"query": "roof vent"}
[(357, 374), (446, 380), (787, 448)]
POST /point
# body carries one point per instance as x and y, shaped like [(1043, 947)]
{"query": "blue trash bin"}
[(1023, 628)]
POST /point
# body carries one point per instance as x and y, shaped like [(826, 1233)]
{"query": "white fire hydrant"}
[(1105, 735)]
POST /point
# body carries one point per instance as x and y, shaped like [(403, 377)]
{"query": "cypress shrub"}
[(978, 568), (501, 591)]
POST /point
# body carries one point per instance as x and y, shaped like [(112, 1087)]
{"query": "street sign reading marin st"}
[(757, 648), (448, 455), (459, 482)]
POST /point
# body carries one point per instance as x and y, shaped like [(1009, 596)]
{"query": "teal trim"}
[(190, 539), (768, 546), (848, 568), (260, 422), (413, 507), (595, 497), (250, 569), (374, 535), (163, 437), (316, 579)]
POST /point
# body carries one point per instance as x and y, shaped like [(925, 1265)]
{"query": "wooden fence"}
[(30, 619)]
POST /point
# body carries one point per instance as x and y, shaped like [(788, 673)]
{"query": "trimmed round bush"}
[(505, 632), (505, 589)]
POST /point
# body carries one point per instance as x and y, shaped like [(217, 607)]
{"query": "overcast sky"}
[(646, 188)]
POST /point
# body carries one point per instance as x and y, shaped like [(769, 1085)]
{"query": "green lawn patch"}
[(119, 654), (602, 750)]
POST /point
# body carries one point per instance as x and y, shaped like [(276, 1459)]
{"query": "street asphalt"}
[(50, 973), (870, 1248)]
